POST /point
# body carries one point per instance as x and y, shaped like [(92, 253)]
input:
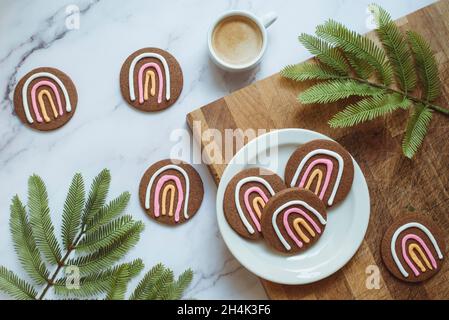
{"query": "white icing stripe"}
[(396, 235), (26, 106), (158, 172), (245, 221), (132, 94), (288, 204), (326, 152)]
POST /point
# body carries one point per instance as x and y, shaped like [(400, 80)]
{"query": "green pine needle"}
[(416, 130), (396, 48), (335, 90), (119, 284), (308, 71), (328, 55), (145, 285), (106, 256), (25, 244), (97, 195), (108, 212), (106, 235), (159, 290), (361, 67), (40, 220), (426, 65), (368, 109), (15, 287), (181, 284), (359, 46), (73, 207), (96, 283)]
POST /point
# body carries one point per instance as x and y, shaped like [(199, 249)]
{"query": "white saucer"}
[(345, 230)]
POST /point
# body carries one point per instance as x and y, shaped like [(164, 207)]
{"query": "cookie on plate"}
[(45, 99), (151, 79), (245, 197), (293, 220), (413, 248), (324, 167), (171, 191)]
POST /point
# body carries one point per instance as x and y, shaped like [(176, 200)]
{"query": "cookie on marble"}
[(151, 79), (245, 197), (45, 99), (324, 167), (293, 220), (171, 191), (413, 248)]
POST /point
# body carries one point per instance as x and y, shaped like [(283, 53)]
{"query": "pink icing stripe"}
[(329, 169), (159, 185), (289, 230), (140, 80), (426, 249), (250, 208), (33, 97)]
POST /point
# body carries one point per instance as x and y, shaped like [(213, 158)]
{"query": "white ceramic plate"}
[(345, 229)]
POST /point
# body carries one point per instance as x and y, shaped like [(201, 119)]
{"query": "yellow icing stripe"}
[(258, 204), (40, 98), (168, 188), (301, 221), (319, 173), (150, 75), (411, 250)]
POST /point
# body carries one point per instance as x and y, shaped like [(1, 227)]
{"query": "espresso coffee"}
[(237, 40)]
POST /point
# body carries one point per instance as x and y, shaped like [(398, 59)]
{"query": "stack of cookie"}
[(290, 214)]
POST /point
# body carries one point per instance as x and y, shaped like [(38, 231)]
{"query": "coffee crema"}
[(237, 40)]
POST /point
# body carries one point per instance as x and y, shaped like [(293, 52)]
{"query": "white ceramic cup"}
[(263, 23)]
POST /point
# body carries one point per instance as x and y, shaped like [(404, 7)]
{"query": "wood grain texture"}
[(397, 185)]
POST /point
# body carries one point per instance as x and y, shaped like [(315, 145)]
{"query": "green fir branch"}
[(40, 220), (73, 207), (416, 130), (426, 65), (368, 109), (308, 71), (16, 287), (331, 91), (97, 195), (96, 283), (349, 61), (108, 212), (25, 244), (396, 47), (97, 233), (355, 44), (328, 55)]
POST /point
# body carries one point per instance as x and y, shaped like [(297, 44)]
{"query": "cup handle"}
[(268, 19)]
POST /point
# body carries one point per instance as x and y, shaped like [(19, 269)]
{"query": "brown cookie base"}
[(348, 169), (196, 191), (269, 233), (387, 253), (56, 122), (176, 81), (229, 205)]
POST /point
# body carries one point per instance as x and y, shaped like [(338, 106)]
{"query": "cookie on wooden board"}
[(171, 191), (413, 248), (45, 99), (151, 79), (293, 220), (245, 197), (324, 167)]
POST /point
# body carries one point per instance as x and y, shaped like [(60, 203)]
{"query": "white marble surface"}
[(105, 132)]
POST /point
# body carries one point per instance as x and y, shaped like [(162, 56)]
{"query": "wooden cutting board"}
[(397, 185)]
